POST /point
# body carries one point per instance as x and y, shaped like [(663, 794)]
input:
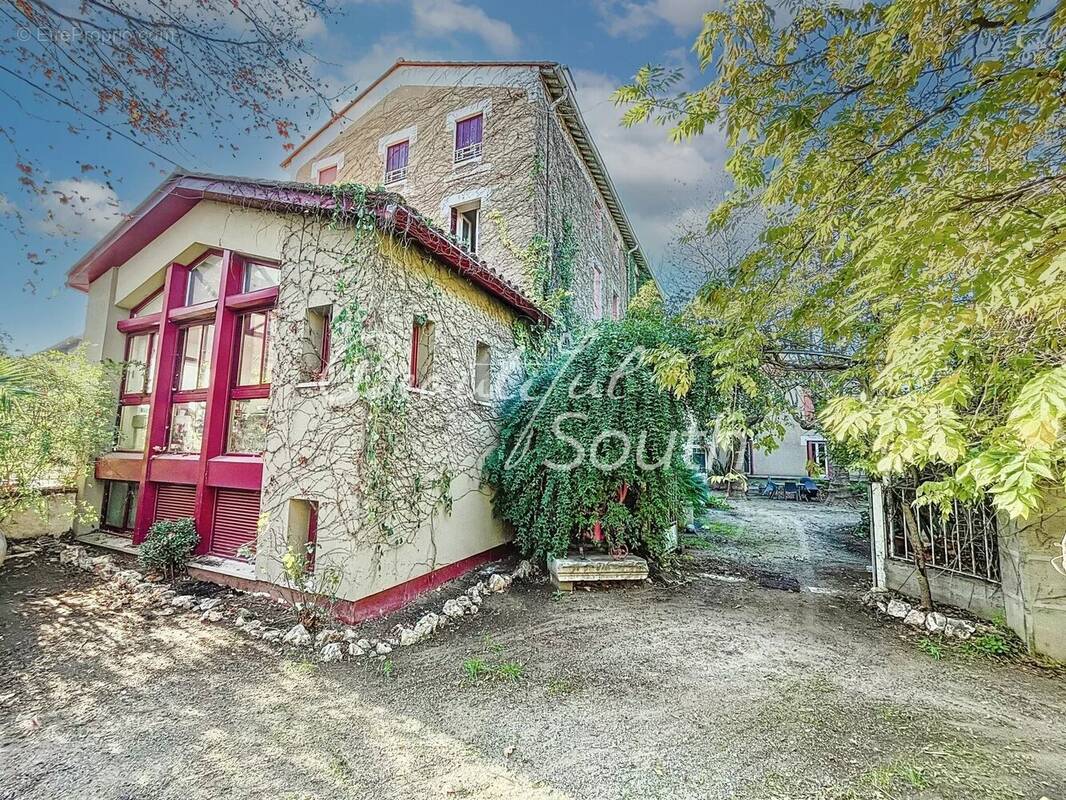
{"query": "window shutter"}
[(236, 521), (397, 157), (455, 221), (468, 132), (174, 501)]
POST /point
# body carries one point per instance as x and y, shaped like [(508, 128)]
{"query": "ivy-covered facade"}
[(317, 366)]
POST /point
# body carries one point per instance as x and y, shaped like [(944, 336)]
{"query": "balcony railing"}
[(395, 175), (468, 152)]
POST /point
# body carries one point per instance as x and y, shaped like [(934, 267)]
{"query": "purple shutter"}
[(397, 157), (468, 132)]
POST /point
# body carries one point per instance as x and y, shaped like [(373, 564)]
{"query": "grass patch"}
[(474, 669), (561, 687), (716, 503), (511, 671), (932, 649), (300, 668)]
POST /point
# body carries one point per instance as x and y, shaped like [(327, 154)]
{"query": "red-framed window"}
[(119, 510), (250, 395), (422, 334), (259, 275), (135, 397), (152, 305), (192, 378), (468, 137), (396, 162), (205, 279)]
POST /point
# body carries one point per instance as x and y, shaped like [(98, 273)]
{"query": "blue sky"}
[(602, 41)]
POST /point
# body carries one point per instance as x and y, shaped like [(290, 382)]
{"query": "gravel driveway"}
[(708, 688)]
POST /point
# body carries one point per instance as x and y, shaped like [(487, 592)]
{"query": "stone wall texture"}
[(529, 179)]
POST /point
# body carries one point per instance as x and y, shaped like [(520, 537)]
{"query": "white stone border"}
[(325, 163)]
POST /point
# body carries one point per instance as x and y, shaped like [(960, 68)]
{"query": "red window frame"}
[(183, 332), (192, 268), (129, 513), (238, 391), (136, 398), (416, 339)]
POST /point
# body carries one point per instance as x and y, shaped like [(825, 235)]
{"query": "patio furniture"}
[(770, 489), (808, 489), (791, 488)]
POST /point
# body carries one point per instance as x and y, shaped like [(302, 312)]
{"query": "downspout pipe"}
[(547, 157)]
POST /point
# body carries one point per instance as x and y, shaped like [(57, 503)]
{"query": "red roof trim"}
[(179, 193)]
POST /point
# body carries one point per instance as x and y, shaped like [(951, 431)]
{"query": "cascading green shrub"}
[(168, 546), (592, 437)]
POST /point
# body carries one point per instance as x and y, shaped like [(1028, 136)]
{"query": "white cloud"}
[(81, 208), (660, 182), (440, 18), (634, 19)]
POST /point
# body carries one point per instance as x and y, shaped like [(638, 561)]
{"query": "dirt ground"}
[(707, 687)]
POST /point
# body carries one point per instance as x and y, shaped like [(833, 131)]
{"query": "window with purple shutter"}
[(396, 162), (468, 138)]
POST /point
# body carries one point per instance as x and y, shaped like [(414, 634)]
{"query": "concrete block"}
[(597, 567)]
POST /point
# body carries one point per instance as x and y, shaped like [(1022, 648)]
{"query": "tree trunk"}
[(917, 545)]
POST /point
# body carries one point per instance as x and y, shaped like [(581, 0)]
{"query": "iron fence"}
[(965, 541)]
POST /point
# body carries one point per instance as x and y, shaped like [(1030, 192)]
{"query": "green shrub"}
[(590, 423), (168, 546)]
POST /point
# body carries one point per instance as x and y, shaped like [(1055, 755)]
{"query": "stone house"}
[(312, 365)]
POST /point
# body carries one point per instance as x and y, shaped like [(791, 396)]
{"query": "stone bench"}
[(571, 569)]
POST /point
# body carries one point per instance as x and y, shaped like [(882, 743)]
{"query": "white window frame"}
[(482, 107), (409, 135)]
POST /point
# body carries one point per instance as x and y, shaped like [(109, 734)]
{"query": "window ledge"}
[(425, 392)]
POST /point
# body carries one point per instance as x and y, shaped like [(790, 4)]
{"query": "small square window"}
[(327, 175), (187, 427), (422, 354), (482, 371), (248, 425)]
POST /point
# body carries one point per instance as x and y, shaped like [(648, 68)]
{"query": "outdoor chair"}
[(770, 489), (808, 489), (791, 488)]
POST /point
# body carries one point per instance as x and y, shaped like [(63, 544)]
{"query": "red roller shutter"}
[(174, 501), (236, 521)]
